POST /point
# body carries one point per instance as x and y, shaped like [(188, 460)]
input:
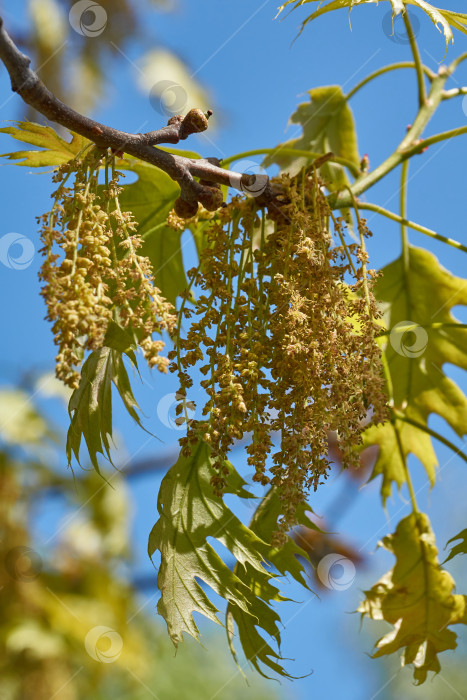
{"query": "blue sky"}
[(257, 76)]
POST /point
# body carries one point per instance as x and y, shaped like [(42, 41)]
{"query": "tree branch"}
[(183, 170)]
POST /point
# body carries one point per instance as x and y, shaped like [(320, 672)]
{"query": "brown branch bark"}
[(183, 170)]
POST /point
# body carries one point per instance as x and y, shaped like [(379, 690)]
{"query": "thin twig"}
[(183, 170), (409, 145)]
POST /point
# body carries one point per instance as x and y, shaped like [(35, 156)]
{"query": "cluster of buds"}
[(203, 192), (92, 273), (285, 339)]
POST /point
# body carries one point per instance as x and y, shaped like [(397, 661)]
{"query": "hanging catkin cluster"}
[(92, 272), (284, 332)]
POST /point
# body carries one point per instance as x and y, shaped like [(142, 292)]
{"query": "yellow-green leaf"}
[(150, 199), (422, 336), (20, 422), (189, 516), (54, 150), (189, 513), (285, 560), (90, 406), (328, 125), (460, 548), (445, 18), (417, 598)]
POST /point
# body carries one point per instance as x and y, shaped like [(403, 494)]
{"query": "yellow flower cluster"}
[(284, 332), (92, 272)]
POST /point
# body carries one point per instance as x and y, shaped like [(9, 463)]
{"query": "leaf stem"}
[(416, 227), (402, 417), (454, 92), (408, 477), (429, 326), (354, 169), (409, 145), (385, 69), (443, 136), (403, 216), (417, 60), (457, 61), (150, 231)]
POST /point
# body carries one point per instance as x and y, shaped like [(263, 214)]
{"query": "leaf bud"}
[(184, 209), (211, 198), (193, 123)]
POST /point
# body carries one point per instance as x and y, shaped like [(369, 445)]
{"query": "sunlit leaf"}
[(327, 124), (416, 597), (460, 548), (285, 561), (49, 23), (445, 18), (422, 337), (54, 150), (190, 515), (90, 406), (150, 199)]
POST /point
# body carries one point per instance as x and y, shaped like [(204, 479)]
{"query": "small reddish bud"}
[(365, 163)]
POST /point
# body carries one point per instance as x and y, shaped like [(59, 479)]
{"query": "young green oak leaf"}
[(150, 199), (90, 406), (423, 335), (460, 548), (328, 125), (54, 150), (189, 515), (284, 560), (445, 18), (416, 597)]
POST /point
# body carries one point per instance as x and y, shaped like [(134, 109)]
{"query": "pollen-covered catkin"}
[(285, 334), (92, 273)]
